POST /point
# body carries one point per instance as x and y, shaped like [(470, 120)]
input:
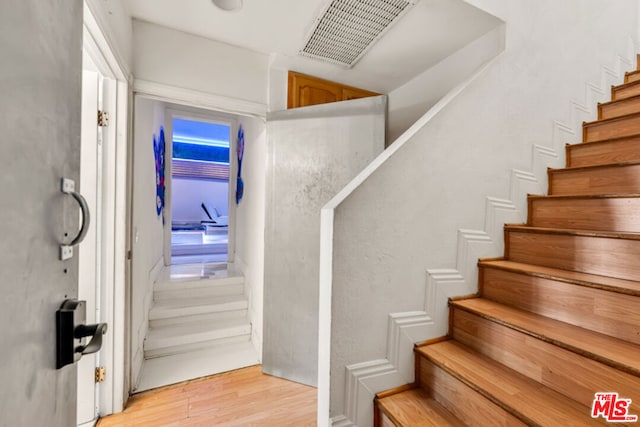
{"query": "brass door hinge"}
[(100, 374), (103, 118)]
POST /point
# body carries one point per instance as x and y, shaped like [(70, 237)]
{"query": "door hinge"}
[(100, 374), (129, 255), (103, 118)]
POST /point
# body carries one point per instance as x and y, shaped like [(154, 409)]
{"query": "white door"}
[(89, 251)]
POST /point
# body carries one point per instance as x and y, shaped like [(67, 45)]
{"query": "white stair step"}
[(188, 272), (192, 310), (221, 284), (192, 336), (162, 371)]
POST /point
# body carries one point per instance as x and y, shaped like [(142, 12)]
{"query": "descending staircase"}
[(557, 319), (199, 313)]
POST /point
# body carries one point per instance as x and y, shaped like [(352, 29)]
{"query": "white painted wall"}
[(174, 58), (147, 225), (411, 100), (188, 194), (114, 20), (312, 153), (250, 222), (405, 217)]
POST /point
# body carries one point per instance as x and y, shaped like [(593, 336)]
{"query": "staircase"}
[(557, 319), (198, 325)]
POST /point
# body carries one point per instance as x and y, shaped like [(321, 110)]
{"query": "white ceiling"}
[(428, 33)]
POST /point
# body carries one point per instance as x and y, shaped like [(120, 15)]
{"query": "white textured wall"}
[(147, 225), (174, 58), (250, 221), (404, 218), (312, 153), (411, 100), (188, 194)]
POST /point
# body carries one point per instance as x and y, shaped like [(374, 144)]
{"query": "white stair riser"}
[(198, 283), (202, 292), (166, 312), (168, 351), (153, 341), (205, 317)]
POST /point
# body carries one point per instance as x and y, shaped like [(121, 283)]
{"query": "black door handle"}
[(95, 332)]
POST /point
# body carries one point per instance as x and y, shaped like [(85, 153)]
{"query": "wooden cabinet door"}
[(308, 90), (355, 93)]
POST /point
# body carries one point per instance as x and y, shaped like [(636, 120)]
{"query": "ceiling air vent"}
[(348, 28)]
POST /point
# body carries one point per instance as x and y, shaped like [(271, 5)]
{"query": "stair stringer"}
[(366, 379)]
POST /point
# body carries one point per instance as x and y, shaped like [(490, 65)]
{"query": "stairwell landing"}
[(555, 322), (198, 325)]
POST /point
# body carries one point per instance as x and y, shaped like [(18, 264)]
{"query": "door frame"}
[(202, 115), (113, 393)]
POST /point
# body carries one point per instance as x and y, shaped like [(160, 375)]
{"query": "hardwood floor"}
[(245, 397)]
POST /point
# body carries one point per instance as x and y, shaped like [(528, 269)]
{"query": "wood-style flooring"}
[(245, 397)]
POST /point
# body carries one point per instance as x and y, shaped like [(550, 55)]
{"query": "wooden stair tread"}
[(603, 141), (624, 86), (414, 407), (583, 196), (629, 73), (593, 167), (612, 284), (617, 101), (528, 400), (619, 107), (612, 119), (611, 351), (569, 232)]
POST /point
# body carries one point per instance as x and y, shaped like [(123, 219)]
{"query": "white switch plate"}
[(66, 252)]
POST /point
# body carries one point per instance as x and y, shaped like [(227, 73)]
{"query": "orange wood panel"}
[(304, 90), (611, 128), (619, 179), (567, 372), (415, 408), (618, 150), (608, 350), (606, 213), (607, 255), (590, 307), (631, 76), (619, 108), (461, 400), (514, 392), (625, 90)]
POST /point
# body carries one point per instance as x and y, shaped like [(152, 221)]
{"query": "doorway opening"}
[(200, 190)]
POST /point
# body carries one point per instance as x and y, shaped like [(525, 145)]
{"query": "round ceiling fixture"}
[(228, 5)]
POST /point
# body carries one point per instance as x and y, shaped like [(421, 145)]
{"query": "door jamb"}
[(114, 395)]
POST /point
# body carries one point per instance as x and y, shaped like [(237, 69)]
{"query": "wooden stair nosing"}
[(592, 167), (575, 151), (605, 105), (518, 228), (437, 414), (612, 119), (612, 212), (583, 196), (628, 74), (620, 286), (618, 88), (554, 326), (571, 374), (564, 405)]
